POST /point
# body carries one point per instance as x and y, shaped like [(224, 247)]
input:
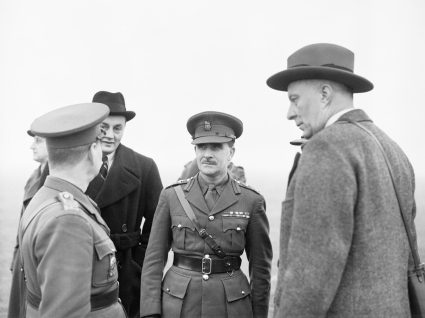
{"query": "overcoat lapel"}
[(226, 199), (121, 179)]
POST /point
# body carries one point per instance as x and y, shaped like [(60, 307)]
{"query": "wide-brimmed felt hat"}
[(214, 127), (115, 102), (321, 61)]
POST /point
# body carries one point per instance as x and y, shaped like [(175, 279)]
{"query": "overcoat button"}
[(124, 227), (211, 218), (205, 277)]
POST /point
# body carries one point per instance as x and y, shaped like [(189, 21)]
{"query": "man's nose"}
[(108, 133), (291, 112)]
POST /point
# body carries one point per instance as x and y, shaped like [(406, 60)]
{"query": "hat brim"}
[(211, 140), (30, 133), (280, 81), (129, 115)]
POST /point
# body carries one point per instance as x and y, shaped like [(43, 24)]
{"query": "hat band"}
[(339, 67)]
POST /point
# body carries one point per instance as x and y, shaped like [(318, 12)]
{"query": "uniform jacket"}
[(66, 253), (129, 194), (17, 291), (184, 293), (343, 247)]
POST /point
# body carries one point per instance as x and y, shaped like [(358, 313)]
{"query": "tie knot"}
[(211, 187), (104, 158)]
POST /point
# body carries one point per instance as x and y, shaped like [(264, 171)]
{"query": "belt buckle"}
[(206, 265)]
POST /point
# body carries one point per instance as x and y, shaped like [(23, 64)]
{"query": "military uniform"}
[(198, 284), (66, 254)]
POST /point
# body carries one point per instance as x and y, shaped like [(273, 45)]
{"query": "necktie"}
[(211, 196), (97, 183)]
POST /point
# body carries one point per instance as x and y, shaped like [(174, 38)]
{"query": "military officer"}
[(205, 279), (66, 254)]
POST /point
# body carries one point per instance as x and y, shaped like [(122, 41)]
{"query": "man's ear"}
[(232, 152), (92, 151), (326, 93)]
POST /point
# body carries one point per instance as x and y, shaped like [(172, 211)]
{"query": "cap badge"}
[(207, 125)]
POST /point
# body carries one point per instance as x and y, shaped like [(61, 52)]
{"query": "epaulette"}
[(67, 200), (187, 182), (243, 185)]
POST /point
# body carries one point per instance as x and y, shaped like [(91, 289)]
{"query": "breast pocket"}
[(183, 231), (234, 233), (105, 263)]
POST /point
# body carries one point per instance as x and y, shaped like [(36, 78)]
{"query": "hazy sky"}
[(172, 59)]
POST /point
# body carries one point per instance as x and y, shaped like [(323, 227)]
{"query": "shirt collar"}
[(336, 116), (219, 187)]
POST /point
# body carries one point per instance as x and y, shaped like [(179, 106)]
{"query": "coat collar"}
[(122, 178), (354, 115), (89, 205), (228, 197)]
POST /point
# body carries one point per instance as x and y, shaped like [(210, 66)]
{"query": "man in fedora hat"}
[(208, 221), (36, 180), (128, 194), (65, 252), (343, 247)]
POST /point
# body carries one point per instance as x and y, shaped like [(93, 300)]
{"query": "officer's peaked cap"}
[(214, 127), (71, 126)]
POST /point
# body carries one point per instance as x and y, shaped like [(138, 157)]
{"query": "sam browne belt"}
[(207, 265)]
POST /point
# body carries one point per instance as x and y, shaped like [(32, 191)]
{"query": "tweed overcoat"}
[(343, 247), (184, 293), (129, 194), (67, 255), (16, 307)]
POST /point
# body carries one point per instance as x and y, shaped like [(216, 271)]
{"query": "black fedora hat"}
[(115, 102), (321, 61)]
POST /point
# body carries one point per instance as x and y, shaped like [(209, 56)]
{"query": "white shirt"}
[(111, 158)]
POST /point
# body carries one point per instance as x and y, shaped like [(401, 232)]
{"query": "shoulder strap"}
[(201, 231), (415, 253)]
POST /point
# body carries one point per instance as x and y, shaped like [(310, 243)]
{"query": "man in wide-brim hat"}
[(129, 193), (343, 248)]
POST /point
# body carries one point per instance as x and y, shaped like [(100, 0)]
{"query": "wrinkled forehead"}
[(114, 120)]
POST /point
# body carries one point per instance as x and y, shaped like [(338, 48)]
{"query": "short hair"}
[(66, 156), (231, 143)]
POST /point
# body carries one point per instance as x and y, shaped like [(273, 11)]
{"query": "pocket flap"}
[(175, 284), (236, 288), (236, 224), (104, 248), (180, 222)]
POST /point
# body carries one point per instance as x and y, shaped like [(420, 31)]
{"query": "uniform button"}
[(124, 227), (205, 277), (243, 292), (179, 226), (66, 195), (211, 217), (168, 290), (238, 228)]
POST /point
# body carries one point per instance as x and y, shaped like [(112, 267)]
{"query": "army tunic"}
[(237, 222), (66, 253)]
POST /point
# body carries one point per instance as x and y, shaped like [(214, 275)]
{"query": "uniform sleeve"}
[(320, 233), (153, 187), (155, 259), (64, 254), (259, 253)]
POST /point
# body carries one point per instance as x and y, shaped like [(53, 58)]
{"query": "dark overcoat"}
[(184, 293), (343, 247), (129, 194), (16, 307)]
